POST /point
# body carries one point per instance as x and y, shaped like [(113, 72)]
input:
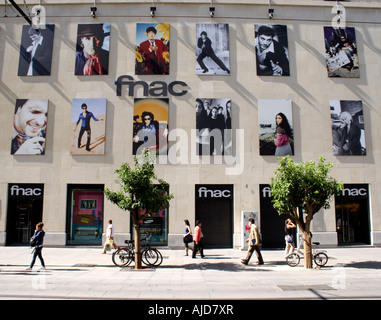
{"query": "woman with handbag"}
[(197, 238), (289, 237), (187, 237), (39, 237)]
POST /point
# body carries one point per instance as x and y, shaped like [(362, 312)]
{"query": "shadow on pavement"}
[(364, 265), (223, 266)]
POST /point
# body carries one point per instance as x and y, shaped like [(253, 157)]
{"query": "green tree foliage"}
[(140, 189), (301, 190)]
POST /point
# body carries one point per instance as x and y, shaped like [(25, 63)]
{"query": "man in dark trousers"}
[(85, 116), (253, 244), (205, 44), (36, 52)]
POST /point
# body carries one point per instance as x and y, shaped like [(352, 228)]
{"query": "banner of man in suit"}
[(152, 48), (36, 51), (212, 49)]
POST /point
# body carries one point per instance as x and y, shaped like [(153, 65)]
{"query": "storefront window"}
[(86, 216), (156, 225)]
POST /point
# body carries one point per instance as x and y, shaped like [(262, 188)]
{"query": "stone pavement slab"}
[(84, 273)]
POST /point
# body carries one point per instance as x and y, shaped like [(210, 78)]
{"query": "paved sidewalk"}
[(84, 273)]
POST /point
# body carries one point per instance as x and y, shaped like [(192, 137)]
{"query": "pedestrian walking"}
[(38, 235), (254, 241), (109, 237), (197, 238), (289, 237), (187, 236)]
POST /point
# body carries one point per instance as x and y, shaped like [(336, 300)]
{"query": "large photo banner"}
[(275, 127), (348, 131), (29, 127), (214, 126), (36, 51), (150, 126), (212, 49), (341, 52), (271, 50), (92, 49), (88, 120), (152, 48)]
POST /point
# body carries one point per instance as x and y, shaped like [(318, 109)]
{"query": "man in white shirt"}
[(109, 236)]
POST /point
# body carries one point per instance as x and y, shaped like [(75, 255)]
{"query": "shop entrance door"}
[(23, 223), (214, 207), (24, 212), (272, 225), (352, 215)]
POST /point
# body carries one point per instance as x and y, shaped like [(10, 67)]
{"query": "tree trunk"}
[(138, 253), (307, 250)]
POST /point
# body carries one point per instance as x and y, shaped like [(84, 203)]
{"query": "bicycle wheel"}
[(122, 257), (293, 259), (321, 259), (150, 257), (159, 259)]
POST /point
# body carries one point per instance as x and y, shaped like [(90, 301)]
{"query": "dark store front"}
[(272, 224), (25, 202), (352, 215), (214, 207)]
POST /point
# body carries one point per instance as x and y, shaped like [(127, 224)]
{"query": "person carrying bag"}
[(254, 241)]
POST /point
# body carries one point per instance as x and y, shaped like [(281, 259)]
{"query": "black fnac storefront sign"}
[(214, 191), (154, 89), (354, 190), (26, 190)]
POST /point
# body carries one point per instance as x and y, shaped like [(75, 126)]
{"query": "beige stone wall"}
[(308, 87)]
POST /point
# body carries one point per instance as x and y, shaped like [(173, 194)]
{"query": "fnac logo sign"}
[(26, 190), (214, 191)]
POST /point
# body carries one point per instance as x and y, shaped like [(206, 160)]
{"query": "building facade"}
[(219, 94)]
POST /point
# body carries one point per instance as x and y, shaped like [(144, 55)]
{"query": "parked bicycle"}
[(123, 256), (319, 256)]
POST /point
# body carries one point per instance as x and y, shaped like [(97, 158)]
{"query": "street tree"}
[(301, 190), (141, 193)]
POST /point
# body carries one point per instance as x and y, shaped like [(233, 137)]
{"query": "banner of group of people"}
[(213, 125), (152, 53)]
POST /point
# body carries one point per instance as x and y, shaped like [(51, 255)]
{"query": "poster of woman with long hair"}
[(275, 127)]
